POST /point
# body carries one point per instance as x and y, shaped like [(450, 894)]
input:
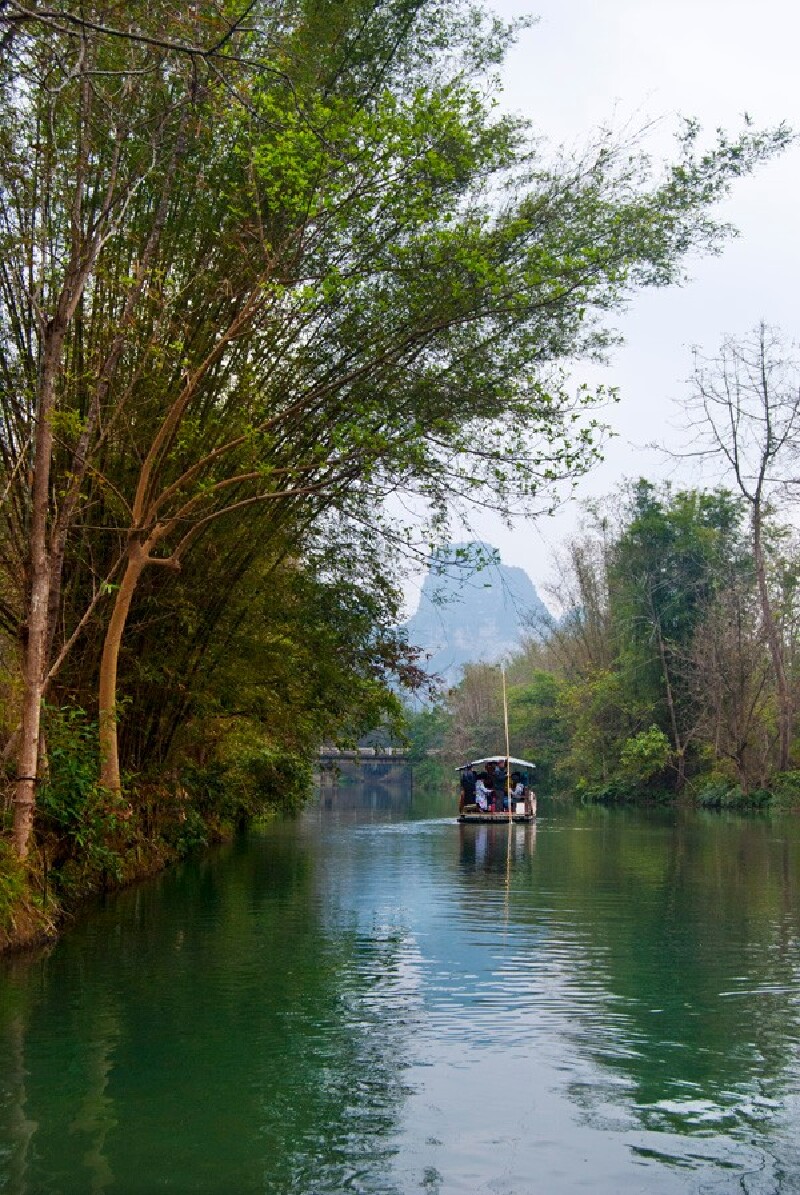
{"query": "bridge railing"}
[(367, 753)]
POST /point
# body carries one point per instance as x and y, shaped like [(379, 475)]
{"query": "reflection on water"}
[(375, 1000), (374, 795)]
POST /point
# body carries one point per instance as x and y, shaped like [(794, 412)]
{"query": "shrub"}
[(87, 819), (249, 782), (786, 790), (644, 755), (613, 792), (13, 886), (720, 793), (187, 833)]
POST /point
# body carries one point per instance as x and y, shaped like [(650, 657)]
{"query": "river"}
[(374, 999)]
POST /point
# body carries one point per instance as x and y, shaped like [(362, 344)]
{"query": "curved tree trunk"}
[(109, 751)]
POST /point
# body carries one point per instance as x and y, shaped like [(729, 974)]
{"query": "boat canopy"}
[(520, 763)]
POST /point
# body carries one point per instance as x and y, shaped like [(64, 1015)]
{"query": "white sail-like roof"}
[(513, 762)]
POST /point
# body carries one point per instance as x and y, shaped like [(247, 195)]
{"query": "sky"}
[(628, 63)]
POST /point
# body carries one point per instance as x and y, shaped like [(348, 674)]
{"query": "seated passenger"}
[(482, 795)]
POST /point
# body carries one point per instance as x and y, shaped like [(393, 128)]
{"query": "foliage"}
[(601, 716), (425, 729), (720, 794), (187, 832), (248, 779), (258, 276), (658, 681), (784, 790), (87, 823), (305, 656), (610, 792), (537, 727), (13, 885), (644, 755)]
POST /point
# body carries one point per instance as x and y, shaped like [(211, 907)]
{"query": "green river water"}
[(378, 1000)]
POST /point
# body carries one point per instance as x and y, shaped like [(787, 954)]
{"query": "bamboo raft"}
[(491, 819), (523, 809)]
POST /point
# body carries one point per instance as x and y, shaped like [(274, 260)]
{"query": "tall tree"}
[(730, 674), (664, 575), (87, 122), (745, 404)]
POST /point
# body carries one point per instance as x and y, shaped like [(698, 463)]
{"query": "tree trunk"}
[(679, 746), (774, 641), (40, 578), (109, 751)]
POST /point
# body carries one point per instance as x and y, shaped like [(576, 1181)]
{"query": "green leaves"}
[(644, 755), (312, 266)]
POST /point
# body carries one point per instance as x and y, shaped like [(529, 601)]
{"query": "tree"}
[(537, 727), (289, 263), (636, 597), (304, 650), (86, 123), (745, 404), (730, 675), (475, 707), (581, 642), (666, 569)]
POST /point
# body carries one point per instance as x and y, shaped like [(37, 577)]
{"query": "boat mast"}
[(508, 749)]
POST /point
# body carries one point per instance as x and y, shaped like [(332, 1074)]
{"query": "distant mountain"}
[(466, 616)]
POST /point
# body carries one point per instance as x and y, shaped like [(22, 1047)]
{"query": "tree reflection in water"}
[(366, 1001)]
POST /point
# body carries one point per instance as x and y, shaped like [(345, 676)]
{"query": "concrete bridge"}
[(370, 755), (364, 765)]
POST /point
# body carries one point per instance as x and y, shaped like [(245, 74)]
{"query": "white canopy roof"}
[(520, 763)]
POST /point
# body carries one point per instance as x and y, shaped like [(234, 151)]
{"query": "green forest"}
[(264, 267), (673, 672)]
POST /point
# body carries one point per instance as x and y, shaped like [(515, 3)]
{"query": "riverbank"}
[(116, 844), (710, 791), (36, 901), (707, 792), (89, 841), (23, 919)]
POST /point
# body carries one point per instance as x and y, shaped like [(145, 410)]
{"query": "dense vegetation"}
[(262, 267), (658, 681)]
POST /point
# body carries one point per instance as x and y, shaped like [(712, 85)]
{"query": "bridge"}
[(364, 765), (332, 755)]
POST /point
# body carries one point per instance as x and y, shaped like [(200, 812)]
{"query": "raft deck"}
[(491, 818)]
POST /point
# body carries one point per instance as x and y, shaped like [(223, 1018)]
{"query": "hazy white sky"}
[(626, 62)]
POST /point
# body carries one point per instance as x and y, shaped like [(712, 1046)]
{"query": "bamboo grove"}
[(263, 266)]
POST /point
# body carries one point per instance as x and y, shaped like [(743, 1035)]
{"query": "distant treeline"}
[(659, 681)]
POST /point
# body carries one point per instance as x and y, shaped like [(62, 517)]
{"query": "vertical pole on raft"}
[(508, 750), (508, 793)]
